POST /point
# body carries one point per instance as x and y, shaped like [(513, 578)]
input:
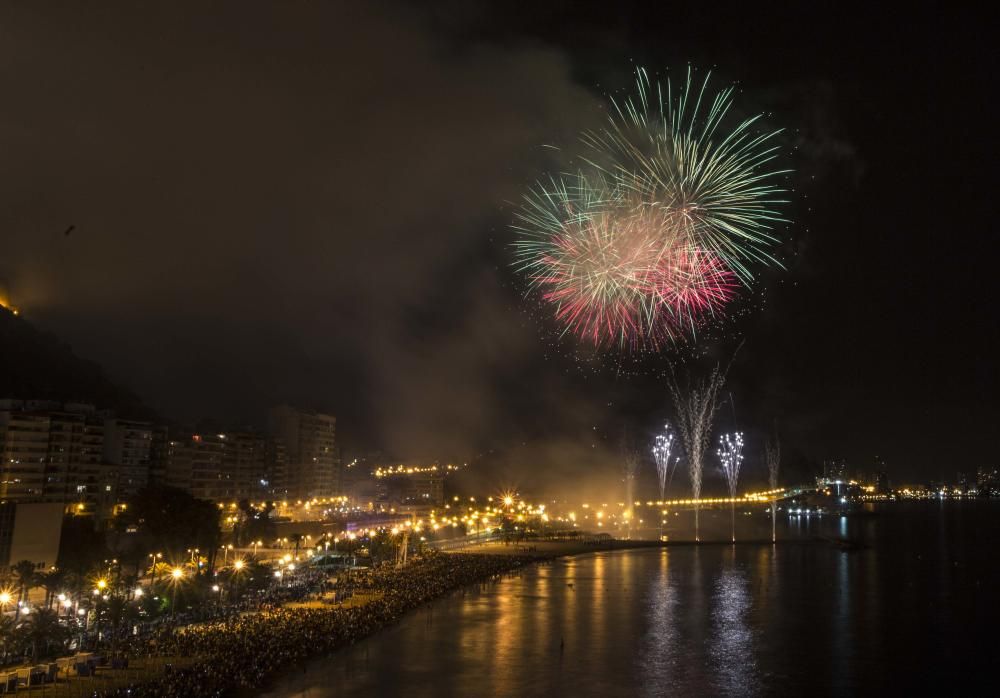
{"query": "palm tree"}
[(43, 629), (128, 583), (8, 635), (296, 538), (53, 581), (25, 577), (118, 610), (74, 583)]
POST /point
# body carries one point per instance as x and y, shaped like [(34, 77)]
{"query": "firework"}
[(631, 462), (695, 406), (651, 243), (772, 455), (663, 444), (713, 187), (731, 456), (614, 271)]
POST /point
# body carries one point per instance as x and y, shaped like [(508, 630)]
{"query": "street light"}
[(177, 573)]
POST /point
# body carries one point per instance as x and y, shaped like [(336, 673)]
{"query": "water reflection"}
[(732, 639), (660, 653), (909, 615)]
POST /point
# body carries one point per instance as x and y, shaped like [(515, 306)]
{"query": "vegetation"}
[(171, 521)]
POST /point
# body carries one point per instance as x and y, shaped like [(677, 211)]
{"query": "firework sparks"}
[(649, 245), (631, 462), (663, 445), (731, 456), (772, 455), (695, 406)]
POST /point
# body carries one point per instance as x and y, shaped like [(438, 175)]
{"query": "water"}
[(915, 613)]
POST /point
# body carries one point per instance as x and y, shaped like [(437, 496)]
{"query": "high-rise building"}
[(834, 470), (127, 442), (245, 459), (25, 453), (988, 481), (311, 463), (962, 481), (128, 457), (209, 480), (50, 453), (159, 454), (882, 482), (221, 467), (277, 473), (176, 467)]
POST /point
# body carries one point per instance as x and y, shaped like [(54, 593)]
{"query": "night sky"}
[(309, 203)]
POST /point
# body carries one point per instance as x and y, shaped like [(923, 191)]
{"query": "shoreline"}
[(332, 628), (244, 656), (558, 549)]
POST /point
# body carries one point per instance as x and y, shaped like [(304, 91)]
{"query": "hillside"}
[(38, 365)]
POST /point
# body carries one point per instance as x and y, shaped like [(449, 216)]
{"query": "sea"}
[(913, 609)]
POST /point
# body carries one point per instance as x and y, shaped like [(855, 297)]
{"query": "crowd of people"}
[(245, 650)]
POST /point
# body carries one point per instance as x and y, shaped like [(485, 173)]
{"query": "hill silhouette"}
[(38, 365)]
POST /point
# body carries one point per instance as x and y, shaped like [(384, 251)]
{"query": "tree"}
[(117, 610), (382, 546), (42, 629), (254, 524), (74, 583), (129, 549), (53, 581), (507, 529), (171, 520), (8, 635), (297, 539), (81, 546), (25, 577), (254, 576)]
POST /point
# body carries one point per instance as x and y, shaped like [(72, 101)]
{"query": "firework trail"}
[(713, 186), (695, 405), (630, 470), (663, 445), (652, 242), (772, 456), (731, 456)]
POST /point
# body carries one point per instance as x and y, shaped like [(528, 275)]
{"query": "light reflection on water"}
[(731, 647), (658, 656), (901, 615)]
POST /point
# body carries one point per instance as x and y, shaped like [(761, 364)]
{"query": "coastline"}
[(243, 656), (199, 652), (546, 550)]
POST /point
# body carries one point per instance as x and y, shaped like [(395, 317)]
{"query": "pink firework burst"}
[(692, 284), (633, 280)]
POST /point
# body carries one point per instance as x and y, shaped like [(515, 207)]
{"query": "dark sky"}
[(308, 202)]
